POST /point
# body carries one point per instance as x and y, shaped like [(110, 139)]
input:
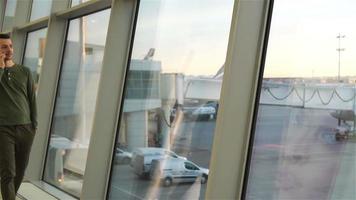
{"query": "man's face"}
[(6, 48)]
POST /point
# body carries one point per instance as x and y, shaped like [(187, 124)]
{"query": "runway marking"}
[(128, 193)]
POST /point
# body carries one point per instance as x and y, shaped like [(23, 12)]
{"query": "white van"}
[(176, 170), (142, 158)]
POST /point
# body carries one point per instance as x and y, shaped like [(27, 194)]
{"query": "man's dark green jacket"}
[(17, 96)]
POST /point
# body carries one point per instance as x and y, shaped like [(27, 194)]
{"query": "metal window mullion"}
[(29, 11), (19, 36), (110, 97), (34, 25), (237, 99), (18, 40), (46, 96), (2, 13), (22, 12), (84, 9)]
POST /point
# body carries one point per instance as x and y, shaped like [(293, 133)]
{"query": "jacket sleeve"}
[(31, 91)]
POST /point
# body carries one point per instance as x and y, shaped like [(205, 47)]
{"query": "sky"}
[(190, 37), (303, 39)]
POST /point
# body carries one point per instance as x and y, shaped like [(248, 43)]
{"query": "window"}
[(304, 136), (9, 15), (75, 103), (77, 2), (175, 68), (34, 52), (142, 85), (190, 166), (40, 8)]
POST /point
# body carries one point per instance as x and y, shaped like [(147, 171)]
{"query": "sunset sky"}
[(303, 39), (191, 36)]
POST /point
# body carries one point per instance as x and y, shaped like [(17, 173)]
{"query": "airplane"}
[(343, 115), (344, 131)]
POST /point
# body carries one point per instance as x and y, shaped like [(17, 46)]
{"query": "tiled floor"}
[(28, 191), (31, 192), (16, 198)]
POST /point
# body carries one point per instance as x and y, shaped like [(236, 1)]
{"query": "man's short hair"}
[(5, 36)]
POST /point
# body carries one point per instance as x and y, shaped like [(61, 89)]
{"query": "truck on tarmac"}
[(176, 170), (142, 158)]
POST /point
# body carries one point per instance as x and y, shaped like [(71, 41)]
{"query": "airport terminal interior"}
[(189, 99)]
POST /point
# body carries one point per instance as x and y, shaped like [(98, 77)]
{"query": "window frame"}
[(25, 46), (2, 13), (234, 123), (57, 95), (257, 101), (38, 19)]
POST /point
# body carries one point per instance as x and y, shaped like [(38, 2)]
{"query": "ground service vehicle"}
[(122, 156), (176, 170), (142, 158)]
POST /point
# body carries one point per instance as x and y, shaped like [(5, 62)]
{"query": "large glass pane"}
[(171, 100), (304, 141), (75, 103), (9, 15), (34, 52), (40, 8), (77, 2)]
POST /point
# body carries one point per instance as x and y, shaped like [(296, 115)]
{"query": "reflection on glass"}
[(77, 2), (9, 15), (40, 8), (304, 140), (34, 52), (75, 103), (171, 100)]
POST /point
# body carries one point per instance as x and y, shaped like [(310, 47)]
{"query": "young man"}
[(18, 119)]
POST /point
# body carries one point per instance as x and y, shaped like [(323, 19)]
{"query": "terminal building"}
[(188, 99)]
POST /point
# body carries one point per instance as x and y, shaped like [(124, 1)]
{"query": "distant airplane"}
[(343, 132), (343, 115), (220, 72), (150, 54)]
